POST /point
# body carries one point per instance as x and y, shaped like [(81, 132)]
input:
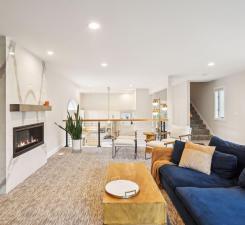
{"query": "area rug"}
[(66, 191)]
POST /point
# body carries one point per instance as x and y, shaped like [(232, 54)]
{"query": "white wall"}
[(59, 91), (2, 115), (143, 110), (99, 101), (143, 104), (178, 102), (160, 94), (232, 127)]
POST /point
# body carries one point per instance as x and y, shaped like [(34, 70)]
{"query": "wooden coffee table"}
[(147, 207)]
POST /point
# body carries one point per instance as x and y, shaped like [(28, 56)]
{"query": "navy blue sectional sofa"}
[(215, 199)]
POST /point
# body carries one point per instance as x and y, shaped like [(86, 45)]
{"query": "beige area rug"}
[(66, 191)]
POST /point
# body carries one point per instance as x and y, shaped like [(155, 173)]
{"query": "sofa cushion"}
[(230, 148), (197, 157), (178, 204), (182, 177), (225, 165), (213, 206), (241, 181), (177, 151), (124, 142)]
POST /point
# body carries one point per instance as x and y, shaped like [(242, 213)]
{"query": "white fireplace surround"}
[(27, 80), (25, 83)]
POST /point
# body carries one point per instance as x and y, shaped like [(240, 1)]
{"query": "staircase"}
[(199, 129)]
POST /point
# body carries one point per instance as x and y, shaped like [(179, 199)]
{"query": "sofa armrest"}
[(160, 157), (161, 154)]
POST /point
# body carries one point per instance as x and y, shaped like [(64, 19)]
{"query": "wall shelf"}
[(29, 108)]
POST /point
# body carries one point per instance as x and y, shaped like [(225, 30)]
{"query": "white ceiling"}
[(143, 41)]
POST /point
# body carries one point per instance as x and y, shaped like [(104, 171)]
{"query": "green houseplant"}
[(74, 128)]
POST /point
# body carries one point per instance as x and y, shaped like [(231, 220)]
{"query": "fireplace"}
[(27, 137)]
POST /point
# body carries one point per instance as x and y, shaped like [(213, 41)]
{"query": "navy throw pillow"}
[(225, 165), (177, 151), (230, 148), (241, 181)]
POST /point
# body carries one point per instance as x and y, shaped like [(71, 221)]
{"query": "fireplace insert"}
[(27, 137)]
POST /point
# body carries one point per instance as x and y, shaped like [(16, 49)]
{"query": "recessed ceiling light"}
[(50, 52), (11, 53), (211, 64), (94, 26), (104, 64)]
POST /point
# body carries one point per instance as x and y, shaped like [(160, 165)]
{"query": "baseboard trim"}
[(53, 151)]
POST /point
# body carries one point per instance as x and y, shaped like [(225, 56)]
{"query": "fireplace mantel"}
[(29, 108)]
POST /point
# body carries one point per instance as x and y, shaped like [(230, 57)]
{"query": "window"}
[(219, 103), (72, 105)]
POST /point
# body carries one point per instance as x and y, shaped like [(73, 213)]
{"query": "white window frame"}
[(215, 90)]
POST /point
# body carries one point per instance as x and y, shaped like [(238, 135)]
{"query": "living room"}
[(108, 104)]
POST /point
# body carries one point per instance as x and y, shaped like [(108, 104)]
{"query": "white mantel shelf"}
[(29, 108)]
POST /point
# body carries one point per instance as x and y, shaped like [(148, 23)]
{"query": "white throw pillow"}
[(197, 157)]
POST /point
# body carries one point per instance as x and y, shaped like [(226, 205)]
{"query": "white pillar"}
[(178, 101)]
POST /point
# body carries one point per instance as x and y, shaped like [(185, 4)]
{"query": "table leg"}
[(99, 135)]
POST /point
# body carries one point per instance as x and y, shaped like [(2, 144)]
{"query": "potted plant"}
[(74, 128)]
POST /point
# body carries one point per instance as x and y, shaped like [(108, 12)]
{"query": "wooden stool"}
[(150, 136)]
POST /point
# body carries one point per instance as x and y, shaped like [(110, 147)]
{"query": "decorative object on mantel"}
[(74, 128), (46, 103), (29, 108)]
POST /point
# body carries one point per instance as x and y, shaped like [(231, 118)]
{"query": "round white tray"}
[(122, 188)]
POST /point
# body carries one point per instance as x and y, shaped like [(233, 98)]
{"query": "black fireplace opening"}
[(27, 137)]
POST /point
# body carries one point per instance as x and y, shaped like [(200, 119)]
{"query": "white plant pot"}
[(76, 145)]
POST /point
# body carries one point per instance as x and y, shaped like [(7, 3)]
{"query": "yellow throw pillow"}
[(197, 157)]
